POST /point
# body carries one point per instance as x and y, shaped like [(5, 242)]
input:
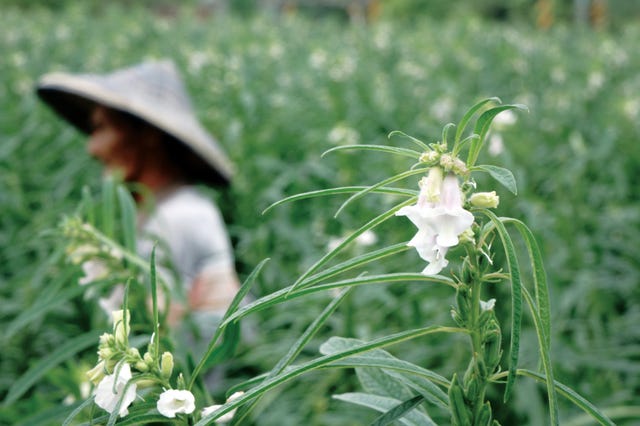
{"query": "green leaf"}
[(546, 358), (108, 207), (577, 399), (502, 175), (128, 218), (339, 191), (296, 348), (288, 293), (482, 128), (354, 263), (367, 226), (516, 299), (380, 184), (423, 146), (324, 361), (469, 115), (382, 148), (38, 370), (373, 380), (77, 411), (399, 411), (384, 404), (445, 132), (233, 307)]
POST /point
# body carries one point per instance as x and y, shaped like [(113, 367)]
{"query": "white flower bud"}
[(486, 200), (166, 364)]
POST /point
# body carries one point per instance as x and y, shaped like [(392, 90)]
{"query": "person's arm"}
[(214, 289)]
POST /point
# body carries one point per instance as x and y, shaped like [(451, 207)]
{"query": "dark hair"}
[(191, 166)]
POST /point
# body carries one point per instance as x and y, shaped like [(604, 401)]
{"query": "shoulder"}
[(186, 204)]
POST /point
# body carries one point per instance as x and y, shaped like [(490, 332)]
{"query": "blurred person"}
[(142, 127)]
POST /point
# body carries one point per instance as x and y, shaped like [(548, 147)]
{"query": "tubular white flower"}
[(112, 388), (172, 402), (439, 217), (448, 217)]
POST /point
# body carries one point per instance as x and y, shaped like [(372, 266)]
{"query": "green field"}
[(278, 91)]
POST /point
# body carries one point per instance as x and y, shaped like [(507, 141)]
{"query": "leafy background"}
[(280, 89)]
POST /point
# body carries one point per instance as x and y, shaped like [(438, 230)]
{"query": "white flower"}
[(227, 417), (439, 217), (488, 305), (112, 389), (174, 401)]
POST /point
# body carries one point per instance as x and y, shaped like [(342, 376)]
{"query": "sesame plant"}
[(454, 223)]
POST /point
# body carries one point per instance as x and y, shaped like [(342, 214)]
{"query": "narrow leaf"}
[(469, 115), (380, 184), (233, 307), (399, 411), (331, 254), (482, 128), (577, 399), (416, 141), (38, 370), (296, 348), (288, 293), (128, 218), (516, 299), (383, 404), (338, 191), (382, 148), (323, 361)]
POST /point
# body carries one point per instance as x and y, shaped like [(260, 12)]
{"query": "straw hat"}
[(152, 91)]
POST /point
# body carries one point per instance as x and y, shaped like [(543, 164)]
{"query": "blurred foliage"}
[(278, 91)]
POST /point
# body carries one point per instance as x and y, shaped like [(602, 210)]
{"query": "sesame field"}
[(558, 140)]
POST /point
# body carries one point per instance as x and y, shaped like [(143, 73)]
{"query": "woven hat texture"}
[(152, 91)]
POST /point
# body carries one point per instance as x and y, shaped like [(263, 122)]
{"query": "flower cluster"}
[(97, 260), (121, 371), (439, 213)]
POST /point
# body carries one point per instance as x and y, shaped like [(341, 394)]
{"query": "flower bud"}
[(429, 157), (459, 167), (485, 200), (148, 358), (166, 364), (121, 326), (106, 339), (105, 352), (96, 374), (141, 366)]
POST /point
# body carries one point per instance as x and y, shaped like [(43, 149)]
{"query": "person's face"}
[(112, 143)]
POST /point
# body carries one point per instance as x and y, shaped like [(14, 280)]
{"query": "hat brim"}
[(74, 97)]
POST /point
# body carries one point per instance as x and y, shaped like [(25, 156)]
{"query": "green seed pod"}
[(460, 415), (492, 349), (472, 388), (463, 304), (484, 416)]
